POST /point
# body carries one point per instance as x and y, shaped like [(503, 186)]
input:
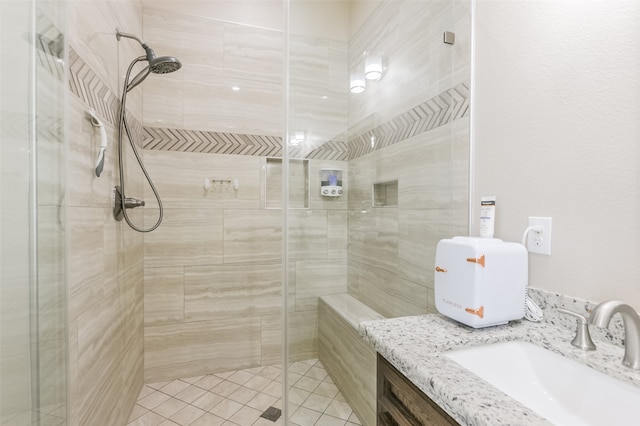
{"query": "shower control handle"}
[(132, 203), (121, 203)]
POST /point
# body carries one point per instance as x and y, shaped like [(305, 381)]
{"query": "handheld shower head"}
[(157, 65), (164, 65), (160, 65)]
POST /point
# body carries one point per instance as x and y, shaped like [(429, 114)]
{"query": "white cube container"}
[(481, 281)]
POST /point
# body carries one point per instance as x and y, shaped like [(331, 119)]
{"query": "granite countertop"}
[(414, 345)]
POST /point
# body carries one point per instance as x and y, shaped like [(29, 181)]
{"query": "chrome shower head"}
[(164, 65), (157, 65)]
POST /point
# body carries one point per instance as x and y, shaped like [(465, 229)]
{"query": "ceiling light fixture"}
[(373, 67), (357, 82)]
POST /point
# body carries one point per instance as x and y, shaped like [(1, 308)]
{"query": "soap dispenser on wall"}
[(330, 182)]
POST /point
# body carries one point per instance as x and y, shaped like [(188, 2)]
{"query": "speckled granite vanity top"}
[(414, 345)]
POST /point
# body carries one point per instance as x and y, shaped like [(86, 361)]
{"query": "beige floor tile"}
[(207, 382), (255, 370), (257, 383), (305, 417), (187, 415), (226, 408), (339, 409), (207, 401), (316, 373), (190, 394), (137, 411), (225, 388), (274, 389), (154, 399), (148, 419), (158, 385), (243, 395), (326, 389), (225, 374), (174, 387), (317, 402), (170, 407), (326, 420), (246, 416), (298, 396), (270, 372), (239, 397), (293, 378), (264, 422), (146, 390), (262, 401), (240, 377), (354, 419), (298, 367), (307, 383), (208, 419), (292, 409), (192, 380)]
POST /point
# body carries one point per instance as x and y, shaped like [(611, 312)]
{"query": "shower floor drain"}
[(271, 413)]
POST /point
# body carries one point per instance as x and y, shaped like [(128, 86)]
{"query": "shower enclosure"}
[(33, 337), (285, 175)]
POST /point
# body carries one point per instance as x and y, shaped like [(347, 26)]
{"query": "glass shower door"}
[(33, 334), (378, 158)]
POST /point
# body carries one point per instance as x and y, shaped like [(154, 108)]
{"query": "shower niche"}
[(385, 194), (298, 183)]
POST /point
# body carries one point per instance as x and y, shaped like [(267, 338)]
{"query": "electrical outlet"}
[(540, 242)]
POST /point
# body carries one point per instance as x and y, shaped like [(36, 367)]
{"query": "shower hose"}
[(123, 124)]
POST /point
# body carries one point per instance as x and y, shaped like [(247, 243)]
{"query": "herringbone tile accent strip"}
[(435, 112), (167, 139), (335, 149), (90, 89), (450, 105), (86, 85)]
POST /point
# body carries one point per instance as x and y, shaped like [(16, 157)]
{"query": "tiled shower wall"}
[(105, 257), (412, 127), (212, 296)]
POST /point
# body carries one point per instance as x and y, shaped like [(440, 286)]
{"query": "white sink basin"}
[(563, 391)]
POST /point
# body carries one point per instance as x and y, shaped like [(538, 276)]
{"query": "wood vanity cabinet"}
[(401, 403)]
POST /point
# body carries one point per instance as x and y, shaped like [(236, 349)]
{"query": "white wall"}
[(557, 134)]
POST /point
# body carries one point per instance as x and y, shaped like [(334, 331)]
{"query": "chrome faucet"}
[(601, 316)]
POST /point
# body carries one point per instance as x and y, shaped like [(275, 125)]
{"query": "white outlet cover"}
[(534, 239)]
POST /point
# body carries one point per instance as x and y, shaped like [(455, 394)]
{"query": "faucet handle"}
[(583, 338)]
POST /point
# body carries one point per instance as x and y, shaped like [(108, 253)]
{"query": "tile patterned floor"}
[(238, 398)]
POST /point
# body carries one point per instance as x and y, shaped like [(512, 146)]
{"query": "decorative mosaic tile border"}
[(90, 89), (335, 149), (448, 106), (168, 139)]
